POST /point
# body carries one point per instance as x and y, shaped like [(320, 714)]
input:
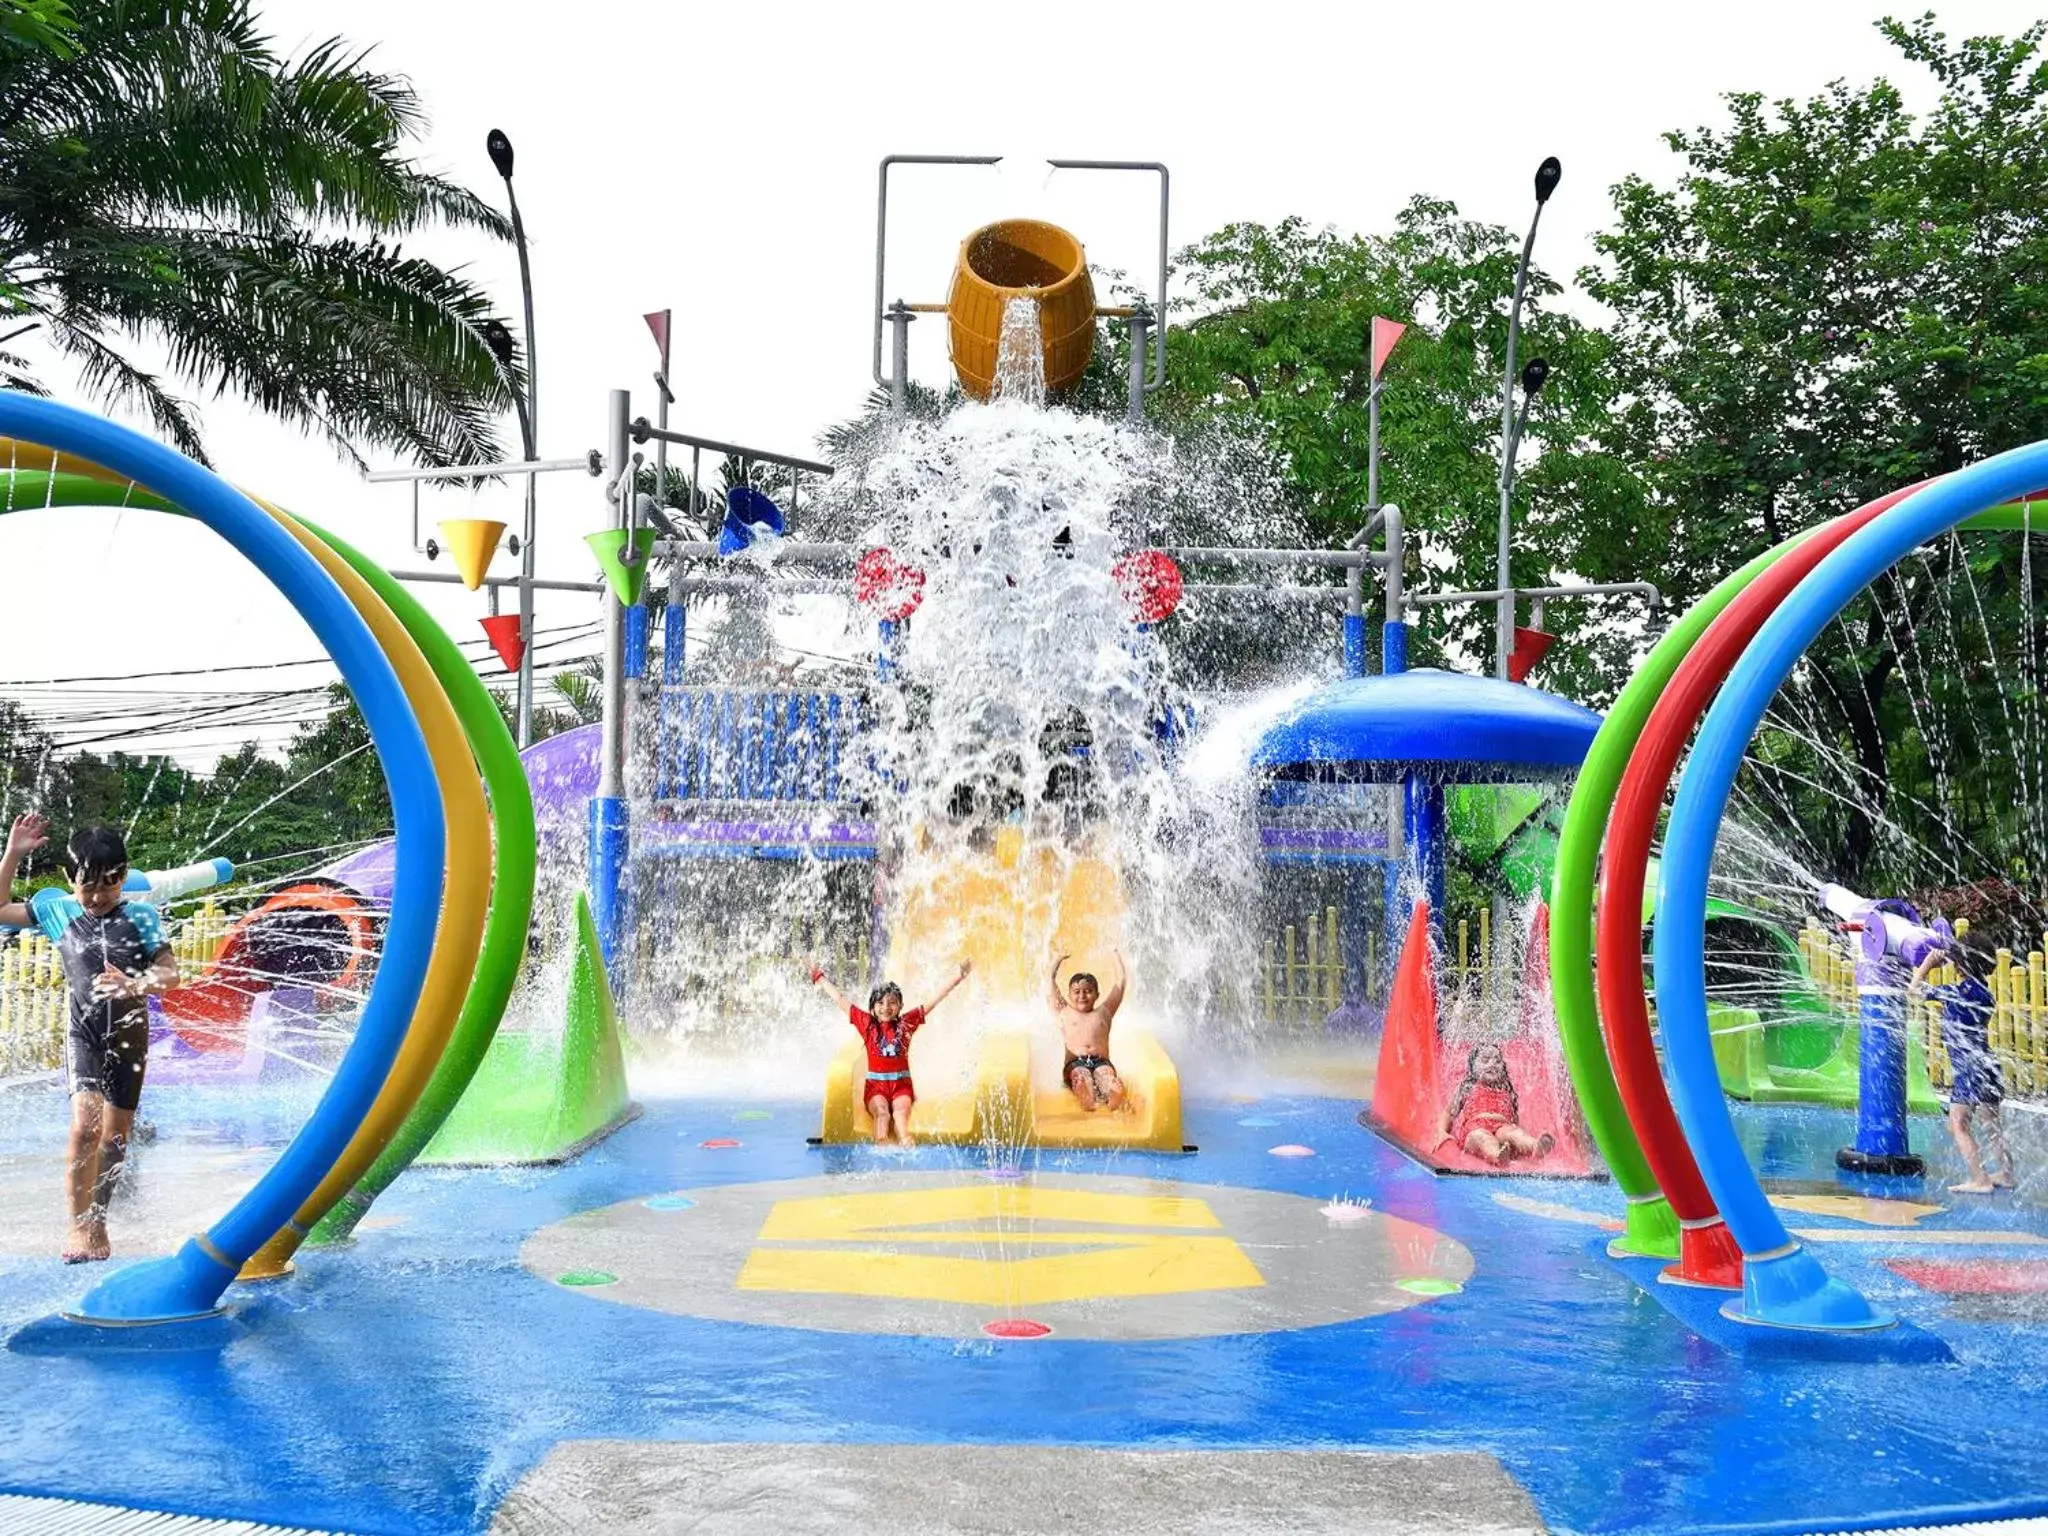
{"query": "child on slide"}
[(1085, 1015), (886, 1026), (1978, 1088), (1480, 1119)]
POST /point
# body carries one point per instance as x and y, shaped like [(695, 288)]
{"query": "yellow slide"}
[(1008, 1092)]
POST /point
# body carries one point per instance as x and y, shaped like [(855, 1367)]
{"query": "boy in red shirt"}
[(886, 1026)]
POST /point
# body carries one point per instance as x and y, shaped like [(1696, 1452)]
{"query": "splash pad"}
[(1024, 764)]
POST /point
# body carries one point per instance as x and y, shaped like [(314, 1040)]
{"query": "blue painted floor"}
[(405, 1384)]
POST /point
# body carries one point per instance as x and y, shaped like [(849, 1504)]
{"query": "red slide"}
[(1419, 1070), (314, 934)]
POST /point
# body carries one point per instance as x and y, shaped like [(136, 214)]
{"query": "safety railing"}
[(769, 745), (1301, 978), (1475, 968), (33, 1009)]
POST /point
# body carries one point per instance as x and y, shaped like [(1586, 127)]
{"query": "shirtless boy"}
[(1085, 1014)]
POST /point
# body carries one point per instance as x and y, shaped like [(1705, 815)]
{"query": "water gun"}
[(161, 887), (1891, 927)]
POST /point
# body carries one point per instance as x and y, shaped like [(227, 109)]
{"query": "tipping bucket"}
[(1020, 258)]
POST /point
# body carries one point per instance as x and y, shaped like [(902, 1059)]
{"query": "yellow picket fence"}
[(32, 993), (2019, 1007)]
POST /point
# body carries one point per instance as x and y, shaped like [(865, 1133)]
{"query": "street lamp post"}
[(500, 149), (1547, 177)]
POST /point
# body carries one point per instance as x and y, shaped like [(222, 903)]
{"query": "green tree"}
[(170, 176), (1835, 299), (1275, 339)]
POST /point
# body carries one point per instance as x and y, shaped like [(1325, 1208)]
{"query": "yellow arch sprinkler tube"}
[(187, 1284), (457, 937)]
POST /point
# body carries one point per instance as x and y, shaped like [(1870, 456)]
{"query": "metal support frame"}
[(610, 827), (898, 384), (1581, 589), (641, 430), (494, 583), (1145, 319), (592, 463), (1158, 376)]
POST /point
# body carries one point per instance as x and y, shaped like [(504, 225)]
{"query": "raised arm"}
[(28, 833), (819, 980), (1056, 996), (1115, 997), (946, 991)]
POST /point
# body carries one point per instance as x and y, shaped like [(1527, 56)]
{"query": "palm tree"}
[(166, 175)]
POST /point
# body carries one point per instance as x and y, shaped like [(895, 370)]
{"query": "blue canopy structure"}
[(1448, 726)]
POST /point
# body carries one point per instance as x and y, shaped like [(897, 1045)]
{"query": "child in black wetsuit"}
[(115, 956), (1978, 1086)]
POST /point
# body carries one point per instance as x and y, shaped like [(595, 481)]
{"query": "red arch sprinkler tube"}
[(1708, 1254)]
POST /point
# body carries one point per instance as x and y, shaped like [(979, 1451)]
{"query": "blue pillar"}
[(675, 620), (636, 641), (1354, 645), (610, 825), (1881, 1145), (1422, 815), (1394, 646), (886, 632)]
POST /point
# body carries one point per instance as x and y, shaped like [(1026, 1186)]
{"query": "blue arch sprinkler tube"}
[(1783, 1284), (189, 1283)]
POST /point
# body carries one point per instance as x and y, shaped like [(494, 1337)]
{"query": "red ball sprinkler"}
[(888, 588), (1151, 584)]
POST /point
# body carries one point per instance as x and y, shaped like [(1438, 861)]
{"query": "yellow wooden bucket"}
[(1020, 258)]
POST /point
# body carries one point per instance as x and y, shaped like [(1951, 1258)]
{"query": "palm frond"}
[(119, 382)]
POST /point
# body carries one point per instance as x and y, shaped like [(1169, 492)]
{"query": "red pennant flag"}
[(503, 628), (1385, 335), (657, 322)]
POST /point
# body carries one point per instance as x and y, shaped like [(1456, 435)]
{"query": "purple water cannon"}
[(1892, 928), (1892, 935)]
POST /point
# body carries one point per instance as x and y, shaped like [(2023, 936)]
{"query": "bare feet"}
[(1973, 1187), (1544, 1143), (88, 1243), (905, 1140), (2002, 1181)]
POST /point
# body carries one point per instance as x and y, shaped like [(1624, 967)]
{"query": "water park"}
[(1381, 1093)]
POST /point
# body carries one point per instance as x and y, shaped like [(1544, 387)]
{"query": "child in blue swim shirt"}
[(115, 956), (1978, 1086)]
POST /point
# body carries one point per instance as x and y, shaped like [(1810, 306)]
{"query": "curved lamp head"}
[(1534, 372), (500, 149), (499, 340), (1548, 174)]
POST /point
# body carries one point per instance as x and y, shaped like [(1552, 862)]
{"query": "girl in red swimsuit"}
[(1480, 1119), (886, 1026)]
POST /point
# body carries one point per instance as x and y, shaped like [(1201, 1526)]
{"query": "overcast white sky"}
[(721, 161)]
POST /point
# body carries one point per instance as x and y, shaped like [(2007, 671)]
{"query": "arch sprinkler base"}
[(1791, 1290)]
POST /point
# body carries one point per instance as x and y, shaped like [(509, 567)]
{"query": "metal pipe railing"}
[(592, 463), (1159, 297), (644, 431)]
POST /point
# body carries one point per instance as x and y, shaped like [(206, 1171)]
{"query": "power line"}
[(261, 666)]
